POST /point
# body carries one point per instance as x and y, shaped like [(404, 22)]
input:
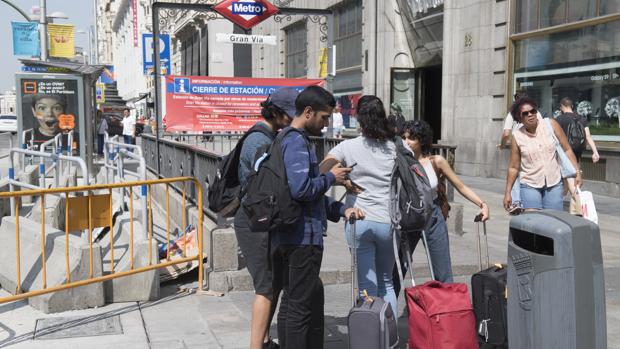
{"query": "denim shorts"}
[(542, 198)]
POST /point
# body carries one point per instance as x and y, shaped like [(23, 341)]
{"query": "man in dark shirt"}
[(566, 118), (298, 249)]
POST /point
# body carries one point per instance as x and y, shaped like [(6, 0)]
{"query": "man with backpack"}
[(298, 248), (278, 111), (576, 129)]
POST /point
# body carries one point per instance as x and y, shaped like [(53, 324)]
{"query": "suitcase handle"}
[(478, 219), (408, 254), (354, 288)]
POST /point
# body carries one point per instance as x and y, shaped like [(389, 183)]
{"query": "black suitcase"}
[(489, 293), (371, 322)]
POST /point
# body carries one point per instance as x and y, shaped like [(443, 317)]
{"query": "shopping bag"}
[(588, 210), (575, 205)]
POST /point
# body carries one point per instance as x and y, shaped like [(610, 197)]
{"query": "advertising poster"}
[(205, 103), (49, 105)]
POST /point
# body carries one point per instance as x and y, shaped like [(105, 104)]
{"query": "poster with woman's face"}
[(50, 106)]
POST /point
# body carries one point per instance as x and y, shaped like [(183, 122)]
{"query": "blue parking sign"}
[(148, 61)]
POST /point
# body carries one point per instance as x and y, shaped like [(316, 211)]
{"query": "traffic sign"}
[(246, 13), (148, 61)]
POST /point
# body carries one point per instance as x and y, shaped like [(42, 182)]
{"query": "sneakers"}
[(515, 209), (271, 345)]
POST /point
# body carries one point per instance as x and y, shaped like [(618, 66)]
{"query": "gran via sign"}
[(246, 13), (246, 39)]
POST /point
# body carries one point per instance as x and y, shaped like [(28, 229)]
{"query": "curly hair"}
[(422, 131), (372, 119), (269, 110), (516, 107)]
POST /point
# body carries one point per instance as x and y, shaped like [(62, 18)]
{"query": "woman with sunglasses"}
[(418, 135), (534, 160)]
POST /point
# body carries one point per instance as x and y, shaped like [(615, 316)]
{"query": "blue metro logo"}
[(247, 8)]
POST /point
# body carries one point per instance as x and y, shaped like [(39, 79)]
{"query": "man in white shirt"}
[(128, 126), (338, 122)]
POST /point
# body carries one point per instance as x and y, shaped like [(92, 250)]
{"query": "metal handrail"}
[(55, 157), (145, 185)]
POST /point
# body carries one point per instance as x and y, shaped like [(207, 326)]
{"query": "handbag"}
[(566, 166)]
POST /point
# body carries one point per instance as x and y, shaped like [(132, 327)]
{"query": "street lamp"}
[(42, 17)]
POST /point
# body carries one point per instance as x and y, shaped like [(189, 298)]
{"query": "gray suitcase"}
[(371, 322)]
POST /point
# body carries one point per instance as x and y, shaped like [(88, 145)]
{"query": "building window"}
[(348, 34), (296, 50), (191, 56), (582, 64), (537, 14), (204, 44)]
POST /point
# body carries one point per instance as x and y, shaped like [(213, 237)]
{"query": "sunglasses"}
[(530, 112)]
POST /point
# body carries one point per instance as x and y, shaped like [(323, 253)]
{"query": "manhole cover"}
[(69, 327)]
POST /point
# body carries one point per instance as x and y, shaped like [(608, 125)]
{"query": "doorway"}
[(418, 92)]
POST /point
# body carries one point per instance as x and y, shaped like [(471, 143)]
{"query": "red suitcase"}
[(441, 315)]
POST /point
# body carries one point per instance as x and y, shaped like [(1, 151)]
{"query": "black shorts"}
[(255, 250)]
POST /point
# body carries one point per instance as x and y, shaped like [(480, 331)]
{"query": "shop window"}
[(608, 7), (591, 45), (536, 14), (595, 91), (296, 50)]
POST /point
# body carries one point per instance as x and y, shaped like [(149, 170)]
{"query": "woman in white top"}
[(372, 157), (419, 136)]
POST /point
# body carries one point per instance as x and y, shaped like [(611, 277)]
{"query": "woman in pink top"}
[(533, 158)]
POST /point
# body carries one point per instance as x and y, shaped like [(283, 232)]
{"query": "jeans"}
[(542, 198), (128, 140), (515, 193), (100, 141), (438, 248), (301, 315), (375, 259)]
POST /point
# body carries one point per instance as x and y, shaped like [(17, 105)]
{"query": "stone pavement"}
[(180, 319)]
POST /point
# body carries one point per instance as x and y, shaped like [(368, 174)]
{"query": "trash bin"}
[(556, 287)]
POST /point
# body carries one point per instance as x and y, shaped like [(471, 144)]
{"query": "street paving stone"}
[(187, 320)]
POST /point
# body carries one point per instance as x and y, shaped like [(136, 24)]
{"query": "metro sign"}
[(246, 13)]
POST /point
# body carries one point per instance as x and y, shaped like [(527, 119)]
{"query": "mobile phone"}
[(353, 165)]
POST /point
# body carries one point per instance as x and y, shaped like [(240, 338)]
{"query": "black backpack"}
[(576, 134), (411, 199), (268, 203), (225, 191)]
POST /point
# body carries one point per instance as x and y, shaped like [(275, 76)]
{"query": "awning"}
[(421, 6), (91, 71)]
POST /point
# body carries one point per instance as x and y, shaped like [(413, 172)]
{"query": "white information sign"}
[(246, 39)]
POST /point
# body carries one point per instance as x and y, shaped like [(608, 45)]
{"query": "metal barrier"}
[(8, 135), (13, 182), (99, 212), (114, 155), (182, 159), (215, 142)]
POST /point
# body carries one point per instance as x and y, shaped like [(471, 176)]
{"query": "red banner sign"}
[(206, 103)]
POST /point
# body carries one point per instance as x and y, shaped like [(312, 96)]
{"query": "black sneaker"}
[(271, 345)]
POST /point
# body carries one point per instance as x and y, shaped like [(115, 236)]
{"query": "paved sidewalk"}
[(184, 320)]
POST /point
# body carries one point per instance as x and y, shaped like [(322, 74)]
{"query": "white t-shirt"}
[(373, 172), (338, 122), (128, 126)]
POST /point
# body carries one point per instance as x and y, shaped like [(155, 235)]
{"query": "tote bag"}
[(566, 166)]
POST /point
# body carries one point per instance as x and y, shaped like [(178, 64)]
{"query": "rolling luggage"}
[(489, 294), (371, 322), (440, 316)]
